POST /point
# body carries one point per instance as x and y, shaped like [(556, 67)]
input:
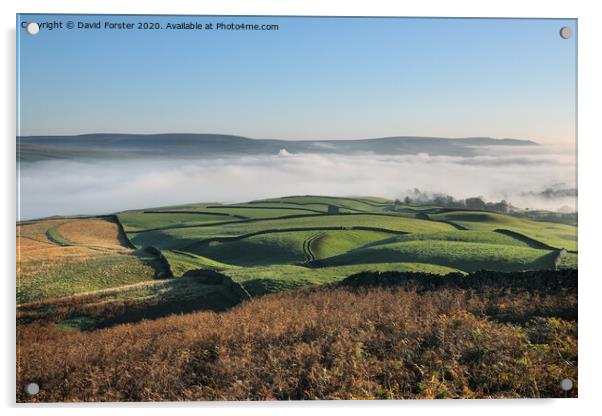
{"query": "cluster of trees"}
[(448, 201), (478, 203), (569, 218)]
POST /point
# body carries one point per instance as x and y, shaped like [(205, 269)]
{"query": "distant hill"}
[(125, 146)]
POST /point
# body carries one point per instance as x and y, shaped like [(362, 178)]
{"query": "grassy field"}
[(62, 257), (466, 256), (314, 232), (186, 236), (135, 221), (279, 243), (287, 247), (254, 300), (556, 235), (267, 279)]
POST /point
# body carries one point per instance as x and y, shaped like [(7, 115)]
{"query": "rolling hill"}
[(157, 146), (212, 256), (409, 301)]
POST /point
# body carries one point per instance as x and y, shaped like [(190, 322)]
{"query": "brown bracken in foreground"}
[(320, 343)]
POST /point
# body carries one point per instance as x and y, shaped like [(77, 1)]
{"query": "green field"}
[(144, 220), (64, 257), (466, 256), (267, 279), (284, 243), (555, 235), (85, 276), (180, 237), (295, 240)]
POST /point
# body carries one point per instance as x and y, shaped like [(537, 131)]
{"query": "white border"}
[(590, 201)]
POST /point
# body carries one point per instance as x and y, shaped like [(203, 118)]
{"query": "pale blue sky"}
[(314, 78)]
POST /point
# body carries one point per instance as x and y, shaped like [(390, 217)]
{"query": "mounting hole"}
[(566, 384), (32, 28), (566, 32), (32, 389)]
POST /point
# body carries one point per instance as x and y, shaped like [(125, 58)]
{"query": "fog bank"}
[(517, 174)]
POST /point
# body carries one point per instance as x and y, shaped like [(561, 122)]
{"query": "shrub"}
[(320, 343)]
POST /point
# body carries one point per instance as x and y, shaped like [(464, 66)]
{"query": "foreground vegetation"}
[(373, 336), (296, 298)]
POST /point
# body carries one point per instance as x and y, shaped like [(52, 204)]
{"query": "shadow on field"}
[(197, 290), (200, 290)]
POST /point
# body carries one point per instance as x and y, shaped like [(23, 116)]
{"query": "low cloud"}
[(518, 175)]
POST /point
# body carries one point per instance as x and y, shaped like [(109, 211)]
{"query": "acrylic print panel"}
[(259, 208)]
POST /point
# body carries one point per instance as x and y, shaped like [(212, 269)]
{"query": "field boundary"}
[(220, 214), (121, 231), (530, 280), (424, 216), (362, 201), (558, 258), (251, 220), (291, 230), (268, 208), (161, 257), (531, 242)]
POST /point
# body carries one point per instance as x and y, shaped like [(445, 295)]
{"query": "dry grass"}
[(321, 343), (66, 256), (94, 232), (36, 231), (35, 249), (37, 254)]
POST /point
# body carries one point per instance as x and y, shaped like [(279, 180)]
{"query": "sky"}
[(314, 78)]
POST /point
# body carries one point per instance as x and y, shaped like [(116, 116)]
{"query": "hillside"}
[(299, 297), (316, 235), (66, 256), (373, 336), (157, 146), (153, 262)]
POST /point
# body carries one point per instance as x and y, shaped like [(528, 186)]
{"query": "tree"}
[(475, 203)]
